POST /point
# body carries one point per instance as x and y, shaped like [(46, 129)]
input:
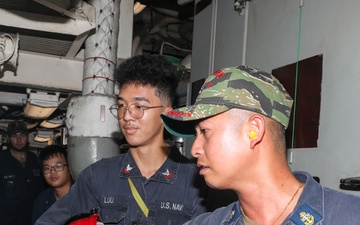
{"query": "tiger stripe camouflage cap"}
[(240, 87)]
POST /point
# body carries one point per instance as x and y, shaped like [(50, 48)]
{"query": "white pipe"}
[(246, 23), (100, 49), (213, 36)]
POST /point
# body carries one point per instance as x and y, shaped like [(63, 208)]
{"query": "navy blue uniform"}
[(172, 194), (43, 202), (18, 188), (317, 205)]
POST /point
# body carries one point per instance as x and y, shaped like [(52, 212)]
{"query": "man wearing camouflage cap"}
[(239, 119)]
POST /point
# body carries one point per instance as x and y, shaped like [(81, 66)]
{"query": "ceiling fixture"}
[(138, 7), (53, 123), (31, 125), (40, 105), (44, 136)]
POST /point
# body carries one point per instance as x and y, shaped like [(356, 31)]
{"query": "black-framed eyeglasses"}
[(58, 167), (135, 110)]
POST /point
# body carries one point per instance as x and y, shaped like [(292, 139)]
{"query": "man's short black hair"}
[(52, 150), (150, 70)]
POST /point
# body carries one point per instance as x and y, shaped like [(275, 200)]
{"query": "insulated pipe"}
[(93, 131), (100, 49)]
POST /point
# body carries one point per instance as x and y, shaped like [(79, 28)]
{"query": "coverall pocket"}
[(171, 213), (112, 214)]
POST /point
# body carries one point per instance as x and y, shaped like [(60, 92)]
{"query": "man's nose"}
[(197, 148), (127, 115), (18, 137)]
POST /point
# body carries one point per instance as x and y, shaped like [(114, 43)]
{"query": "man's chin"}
[(19, 149)]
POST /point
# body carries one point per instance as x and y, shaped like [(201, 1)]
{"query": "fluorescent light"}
[(42, 139), (31, 125), (40, 105), (138, 7), (38, 112), (44, 136), (51, 124), (54, 122)]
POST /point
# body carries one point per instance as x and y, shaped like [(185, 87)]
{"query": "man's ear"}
[(167, 109), (256, 129)]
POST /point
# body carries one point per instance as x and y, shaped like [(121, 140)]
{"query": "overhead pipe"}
[(93, 131), (246, 23)]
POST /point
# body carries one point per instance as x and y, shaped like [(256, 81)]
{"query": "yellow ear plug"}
[(252, 134)]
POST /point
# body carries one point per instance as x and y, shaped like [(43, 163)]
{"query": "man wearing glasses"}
[(152, 183), (57, 175)]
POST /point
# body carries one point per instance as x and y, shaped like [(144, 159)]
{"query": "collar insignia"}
[(167, 174), (305, 215), (127, 169), (235, 214)]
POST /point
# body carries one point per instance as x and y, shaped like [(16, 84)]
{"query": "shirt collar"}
[(166, 174), (309, 208)]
